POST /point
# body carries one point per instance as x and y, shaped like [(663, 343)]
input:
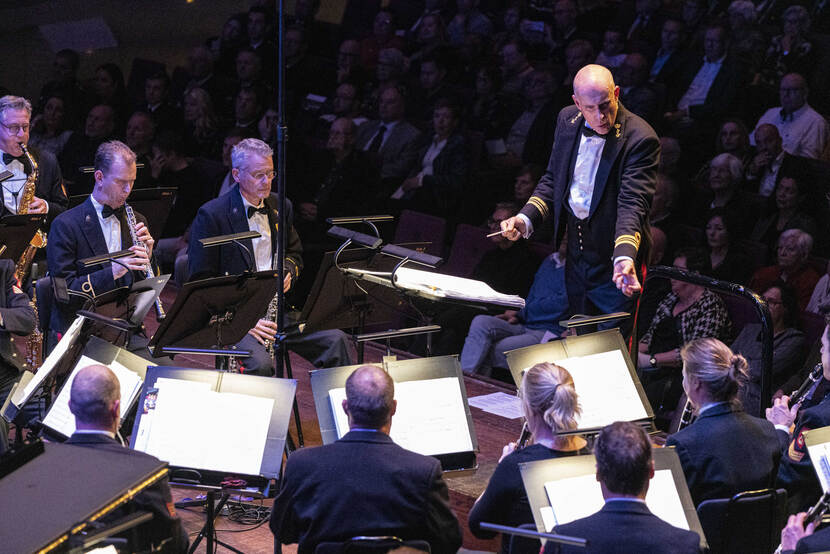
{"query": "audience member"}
[(794, 246), (725, 450), (733, 138), (625, 524), (551, 406), (468, 19), (515, 67), (613, 53), (158, 102), (65, 85), (108, 89), (49, 130), (526, 180), (723, 190), (79, 150), (762, 171), (201, 124), (141, 132), (409, 498), (788, 213), (727, 261), (789, 52), (636, 92), (669, 57), (383, 37)]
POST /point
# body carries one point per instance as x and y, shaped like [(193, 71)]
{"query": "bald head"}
[(94, 398), (369, 400), (595, 94)]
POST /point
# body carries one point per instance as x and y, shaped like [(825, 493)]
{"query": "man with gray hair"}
[(794, 246), (364, 484), (98, 226), (250, 206), (50, 196), (95, 401)]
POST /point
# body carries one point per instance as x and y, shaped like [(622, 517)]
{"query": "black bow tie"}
[(8, 158), (251, 211), (588, 132), (108, 211)]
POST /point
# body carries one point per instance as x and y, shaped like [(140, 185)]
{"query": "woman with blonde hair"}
[(551, 406), (201, 125), (725, 451)]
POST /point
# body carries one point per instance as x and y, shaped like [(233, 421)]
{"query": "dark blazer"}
[(624, 184), (75, 235), (441, 192), (722, 94), (817, 542), (540, 135), (624, 527), (727, 451), (18, 316), (398, 152), (363, 484), (155, 499), (226, 215), (49, 184)]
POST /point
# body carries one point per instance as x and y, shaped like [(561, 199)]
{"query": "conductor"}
[(598, 185)]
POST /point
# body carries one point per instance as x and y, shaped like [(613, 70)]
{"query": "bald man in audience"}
[(364, 484), (95, 401)]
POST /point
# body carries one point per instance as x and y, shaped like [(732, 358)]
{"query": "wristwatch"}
[(653, 361)]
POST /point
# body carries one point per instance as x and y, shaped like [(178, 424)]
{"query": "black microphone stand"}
[(282, 363)]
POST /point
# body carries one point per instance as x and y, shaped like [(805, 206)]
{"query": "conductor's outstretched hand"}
[(626, 278), (513, 228)]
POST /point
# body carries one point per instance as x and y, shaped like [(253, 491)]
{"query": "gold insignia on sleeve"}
[(87, 287), (633, 240), (540, 205)]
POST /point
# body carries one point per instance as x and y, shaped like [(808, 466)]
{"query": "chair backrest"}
[(419, 227), (371, 545), (813, 326), (741, 311), (468, 247), (748, 522)]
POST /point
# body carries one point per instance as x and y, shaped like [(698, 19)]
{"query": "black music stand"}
[(210, 315), (213, 479), (536, 474), (64, 489), (609, 340), (16, 231), (421, 369), (155, 205)]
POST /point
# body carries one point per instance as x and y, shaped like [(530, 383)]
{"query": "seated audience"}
[(821, 293), (725, 450), (636, 92), (468, 19), (95, 401), (788, 345), (794, 247), (612, 54), (159, 104), (670, 56), (723, 190), (79, 150), (201, 124), (789, 52), (388, 491), (515, 68), (733, 138), (728, 262), (526, 180), (625, 524), (550, 405), (763, 169), (788, 213), (49, 129), (141, 133)]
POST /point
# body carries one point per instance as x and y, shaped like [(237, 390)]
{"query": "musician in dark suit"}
[(625, 524), (725, 451), (598, 184), (250, 206), (364, 484), (98, 226), (796, 472), (50, 196), (798, 539), (16, 316), (95, 401)]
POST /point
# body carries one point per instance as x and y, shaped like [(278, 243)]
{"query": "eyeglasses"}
[(260, 175), (15, 128)]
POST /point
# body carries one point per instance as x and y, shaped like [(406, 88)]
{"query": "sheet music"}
[(51, 360), (573, 498), (60, 418), (605, 389), (499, 403), (820, 458), (430, 418), (450, 286), (195, 427)]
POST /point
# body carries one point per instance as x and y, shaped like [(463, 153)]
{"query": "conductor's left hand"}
[(626, 278)]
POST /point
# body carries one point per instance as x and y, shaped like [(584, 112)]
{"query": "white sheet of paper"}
[(548, 521), (60, 418), (49, 363), (499, 403), (450, 286), (577, 497), (430, 418), (196, 427), (605, 389), (820, 458)]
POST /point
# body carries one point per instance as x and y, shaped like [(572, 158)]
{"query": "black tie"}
[(108, 211), (8, 158), (378, 140), (251, 211), (588, 132)]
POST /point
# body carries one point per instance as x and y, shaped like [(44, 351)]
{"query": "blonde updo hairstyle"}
[(549, 398), (721, 371)]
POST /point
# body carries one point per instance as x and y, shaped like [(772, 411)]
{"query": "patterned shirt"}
[(707, 317)]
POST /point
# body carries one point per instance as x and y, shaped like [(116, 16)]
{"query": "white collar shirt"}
[(262, 245)]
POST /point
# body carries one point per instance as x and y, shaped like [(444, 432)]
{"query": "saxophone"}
[(24, 264)]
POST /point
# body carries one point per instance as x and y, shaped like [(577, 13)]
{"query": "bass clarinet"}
[(131, 223), (815, 512), (805, 391)]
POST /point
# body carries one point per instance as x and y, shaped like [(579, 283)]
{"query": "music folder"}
[(604, 377), (818, 446), (561, 490), (433, 416)]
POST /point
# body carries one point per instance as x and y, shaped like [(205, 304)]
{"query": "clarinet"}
[(524, 437), (800, 394), (815, 512), (687, 417), (131, 223)]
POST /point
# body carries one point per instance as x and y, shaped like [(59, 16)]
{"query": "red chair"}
[(468, 247)]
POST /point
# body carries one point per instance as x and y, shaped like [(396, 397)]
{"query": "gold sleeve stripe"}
[(540, 205), (87, 287), (633, 240)]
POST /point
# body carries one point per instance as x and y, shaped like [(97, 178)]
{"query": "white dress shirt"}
[(110, 227), (13, 186), (585, 173), (699, 88), (262, 245), (804, 132)]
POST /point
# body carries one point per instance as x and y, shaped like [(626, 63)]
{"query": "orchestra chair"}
[(749, 522), (372, 545), (420, 227), (468, 247)]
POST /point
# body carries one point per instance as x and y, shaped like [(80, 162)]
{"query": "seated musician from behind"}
[(550, 405), (796, 472), (725, 451)]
